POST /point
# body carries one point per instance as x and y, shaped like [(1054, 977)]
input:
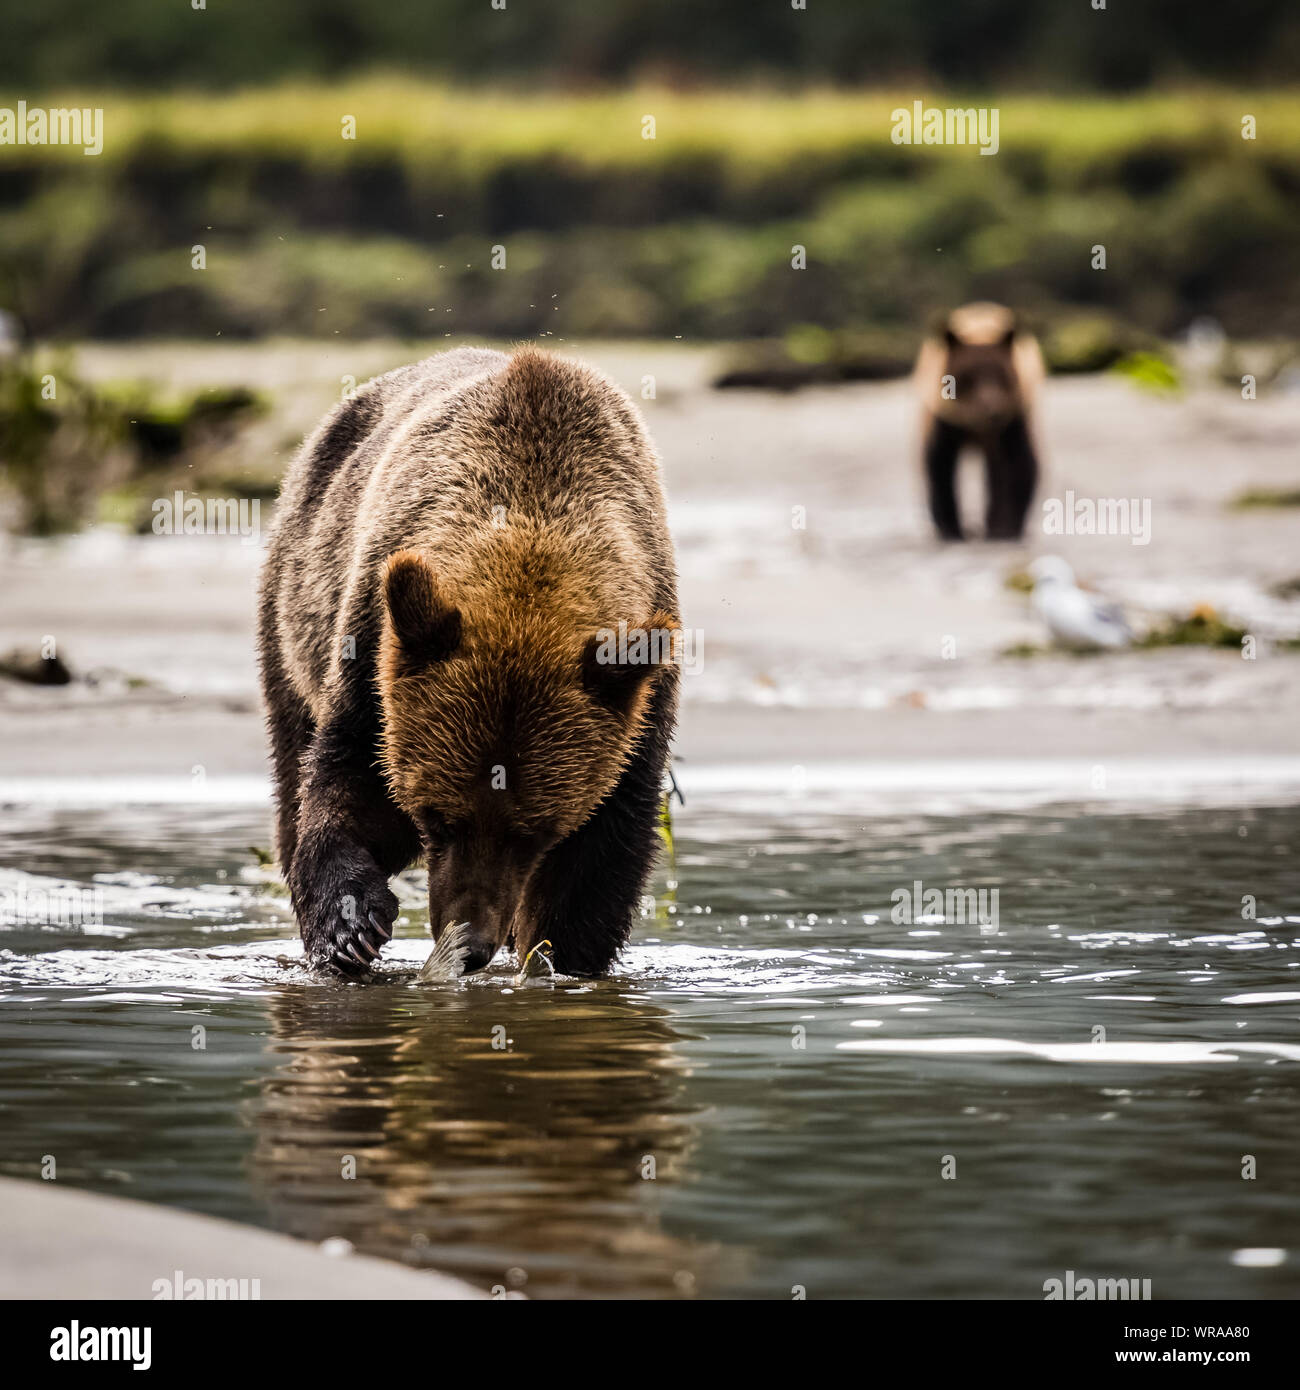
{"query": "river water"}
[(809, 1073)]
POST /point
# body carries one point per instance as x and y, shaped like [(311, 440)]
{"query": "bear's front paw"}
[(345, 908)]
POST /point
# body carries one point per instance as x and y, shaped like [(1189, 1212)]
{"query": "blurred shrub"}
[(1150, 372), (1091, 342), (58, 445), (809, 355), (64, 444)]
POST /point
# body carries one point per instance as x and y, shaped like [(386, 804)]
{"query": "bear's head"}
[(980, 369), (986, 382), (504, 727)]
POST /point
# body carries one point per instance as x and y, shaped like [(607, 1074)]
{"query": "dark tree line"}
[(966, 43)]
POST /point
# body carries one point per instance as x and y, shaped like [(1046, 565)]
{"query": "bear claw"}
[(345, 916)]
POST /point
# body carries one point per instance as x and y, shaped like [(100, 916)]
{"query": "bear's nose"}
[(478, 955)]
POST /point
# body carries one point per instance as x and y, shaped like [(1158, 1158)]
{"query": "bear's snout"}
[(480, 880), (478, 954), (487, 919), (483, 934)]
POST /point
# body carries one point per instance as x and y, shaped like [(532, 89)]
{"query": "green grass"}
[(749, 133)]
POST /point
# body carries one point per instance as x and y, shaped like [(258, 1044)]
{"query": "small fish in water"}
[(537, 964), (447, 959)]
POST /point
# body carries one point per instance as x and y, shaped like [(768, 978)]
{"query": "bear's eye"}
[(435, 831)]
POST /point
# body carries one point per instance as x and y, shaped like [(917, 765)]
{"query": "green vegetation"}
[(690, 234), (1150, 372), (1268, 497), (1089, 341), (65, 446), (666, 832), (60, 445), (470, 134), (1201, 628)]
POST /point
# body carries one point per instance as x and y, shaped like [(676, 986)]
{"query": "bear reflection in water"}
[(483, 1132)]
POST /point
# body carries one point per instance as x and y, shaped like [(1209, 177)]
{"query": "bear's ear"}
[(618, 663), (427, 627)]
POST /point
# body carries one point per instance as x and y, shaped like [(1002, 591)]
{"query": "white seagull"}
[(1075, 618)]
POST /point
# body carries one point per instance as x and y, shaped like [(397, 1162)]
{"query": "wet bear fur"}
[(448, 549)]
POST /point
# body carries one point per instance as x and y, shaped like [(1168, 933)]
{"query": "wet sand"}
[(65, 1244), (822, 641)]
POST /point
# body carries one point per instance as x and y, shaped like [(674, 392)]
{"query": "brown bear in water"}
[(451, 551), (978, 381)]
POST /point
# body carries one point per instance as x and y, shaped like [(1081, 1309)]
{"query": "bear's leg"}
[(289, 724), (351, 839), (588, 889), (1012, 476), (290, 727), (942, 446)]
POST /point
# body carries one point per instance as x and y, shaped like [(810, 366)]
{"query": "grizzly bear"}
[(451, 551), (977, 381)]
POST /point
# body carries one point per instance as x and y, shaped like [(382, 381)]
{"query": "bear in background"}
[(452, 548), (978, 379)]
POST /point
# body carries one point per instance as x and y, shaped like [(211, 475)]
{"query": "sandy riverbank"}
[(63, 1244), (820, 643)]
